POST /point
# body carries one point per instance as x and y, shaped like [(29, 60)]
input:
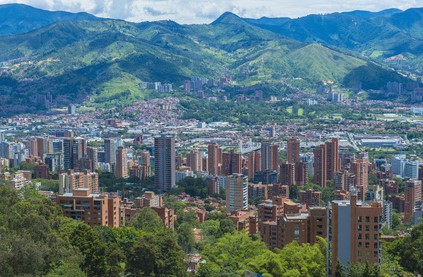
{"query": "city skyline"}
[(205, 11)]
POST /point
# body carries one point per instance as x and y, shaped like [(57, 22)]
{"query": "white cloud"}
[(203, 11)]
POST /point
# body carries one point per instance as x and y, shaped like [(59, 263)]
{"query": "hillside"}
[(103, 61), (377, 35), (19, 18)]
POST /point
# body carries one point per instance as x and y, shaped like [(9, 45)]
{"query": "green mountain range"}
[(103, 61), (19, 18), (392, 36)]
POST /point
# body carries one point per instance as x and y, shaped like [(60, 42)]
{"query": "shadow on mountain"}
[(371, 76)]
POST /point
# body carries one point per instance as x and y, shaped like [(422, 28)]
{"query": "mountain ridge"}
[(103, 60)]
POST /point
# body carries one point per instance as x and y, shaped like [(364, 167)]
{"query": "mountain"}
[(391, 36), (103, 61), (367, 14), (19, 18)]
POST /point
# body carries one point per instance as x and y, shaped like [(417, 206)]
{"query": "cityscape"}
[(201, 150)]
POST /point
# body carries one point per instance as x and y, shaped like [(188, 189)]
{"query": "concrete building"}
[(195, 160), (214, 158), (121, 168), (301, 173), (269, 156), (361, 180), (356, 230), (397, 165), (387, 214), (287, 174), (320, 170), (71, 180), (245, 221), (164, 163), (293, 150), (231, 163), (93, 209), (411, 170), (213, 185), (110, 151), (412, 194), (333, 163), (310, 197), (55, 162), (236, 193)]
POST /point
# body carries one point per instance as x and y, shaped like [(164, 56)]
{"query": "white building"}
[(236, 193)]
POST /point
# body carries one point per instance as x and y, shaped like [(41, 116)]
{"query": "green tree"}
[(147, 220), (157, 254), (409, 250), (93, 249), (232, 251), (186, 237)]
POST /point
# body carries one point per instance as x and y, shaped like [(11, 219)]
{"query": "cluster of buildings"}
[(257, 181), (197, 84), (157, 86)]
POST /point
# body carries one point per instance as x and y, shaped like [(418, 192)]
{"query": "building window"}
[(367, 219), (359, 219), (367, 236), (367, 228)]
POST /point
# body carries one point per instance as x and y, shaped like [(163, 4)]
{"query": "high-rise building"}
[(55, 162), (274, 150), (195, 160), (92, 153), (333, 163), (398, 163), (121, 168), (356, 230), (251, 164), (387, 214), (42, 147), (231, 163), (420, 175), (411, 170), (301, 173), (293, 150), (67, 154), (110, 151), (265, 156), (213, 152), (2, 136), (236, 193), (339, 180), (287, 174), (164, 163), (413, 194), (320, 165), (74, 149), (361, 180)]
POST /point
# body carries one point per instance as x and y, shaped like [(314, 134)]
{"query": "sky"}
[(202, 11)]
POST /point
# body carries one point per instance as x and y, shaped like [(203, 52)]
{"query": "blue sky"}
[(202, 11)]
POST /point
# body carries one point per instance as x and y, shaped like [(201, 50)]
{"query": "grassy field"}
[(289, 110)]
